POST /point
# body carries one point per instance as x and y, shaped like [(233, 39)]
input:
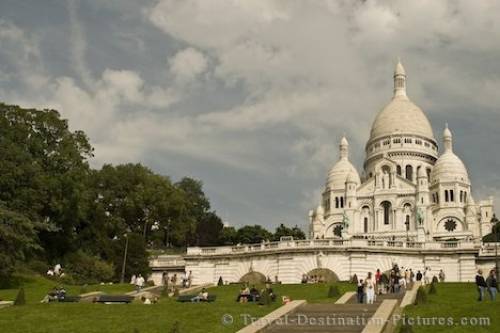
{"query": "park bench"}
[(188, 298), (115, 299)]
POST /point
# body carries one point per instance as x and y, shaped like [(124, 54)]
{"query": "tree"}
[(18, 240), (252, 234), (228, 236), (209, 229), (284, 231)]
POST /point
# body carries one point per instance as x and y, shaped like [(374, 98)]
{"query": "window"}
[(418, 142), (365, 225), (437, 197), (452, 198), (336, 202), (398, 170), (407, 222), (386, 205), (429, 174), (465, 196), (409, 172), (396, 140), (387, 142), (427, 144), (341, 202), (327, 204), (408, 140), (446, 198), (461, 196)]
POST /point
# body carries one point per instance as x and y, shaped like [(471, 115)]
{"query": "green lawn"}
[(456, 300), (99, 318)]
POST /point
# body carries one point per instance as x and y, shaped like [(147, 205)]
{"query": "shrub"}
[(333, 291), (421, 296), (354, 279), (221, 282), (433, 289), (20, 298), (265, 298), (175, 328), (85, 268), (38, 266)]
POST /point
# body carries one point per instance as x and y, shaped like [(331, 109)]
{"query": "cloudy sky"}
[(253, 96)]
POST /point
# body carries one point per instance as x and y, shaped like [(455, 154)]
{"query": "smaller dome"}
[(352, 178), (339, 173), (449, 167)]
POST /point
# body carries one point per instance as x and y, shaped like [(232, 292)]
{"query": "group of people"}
[(138, 281), (489, 284), (312, 279), (55, 295), (399, 279), (253, 295), (56, 271)]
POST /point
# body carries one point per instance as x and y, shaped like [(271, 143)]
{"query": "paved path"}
[(350, 317)]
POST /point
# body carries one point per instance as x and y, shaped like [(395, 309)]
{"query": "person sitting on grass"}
[(270, 292), (244, 295), (481, 284), (202, 296), (254, 294), (492, 284)]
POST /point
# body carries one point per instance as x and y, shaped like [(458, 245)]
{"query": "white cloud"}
[(187, 64)]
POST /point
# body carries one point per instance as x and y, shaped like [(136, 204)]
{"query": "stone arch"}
[(332, 230), (323, 275), (450, 224), (253, 278)]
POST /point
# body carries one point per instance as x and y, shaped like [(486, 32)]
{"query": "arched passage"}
[(253, 278), (323, 275)]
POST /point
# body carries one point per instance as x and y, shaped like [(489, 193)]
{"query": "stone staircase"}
[(350, 317)]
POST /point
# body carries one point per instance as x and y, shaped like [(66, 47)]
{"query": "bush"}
[(20, 298), (265, 298), (433, 289), (421, 296), (354, 279), (333, 291), (87, 269), (38, 266), (221, 282)]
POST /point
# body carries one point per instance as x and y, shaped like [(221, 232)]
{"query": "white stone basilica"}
[(407, 190), (411, 207)]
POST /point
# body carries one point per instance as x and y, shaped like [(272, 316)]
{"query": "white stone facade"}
[(407, 190)]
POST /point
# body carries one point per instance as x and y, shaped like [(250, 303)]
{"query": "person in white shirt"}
[(369, 289)]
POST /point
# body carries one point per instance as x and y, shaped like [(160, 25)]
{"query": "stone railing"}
[(167, 261), (489, 249), (332, 243)]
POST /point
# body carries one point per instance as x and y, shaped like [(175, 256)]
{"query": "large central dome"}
[(401, 116)]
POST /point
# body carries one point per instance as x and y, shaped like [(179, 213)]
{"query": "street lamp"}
[(122, 278)]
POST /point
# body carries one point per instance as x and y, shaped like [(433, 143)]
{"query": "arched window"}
[(336, 202), (465, 196), (461, 196), (341, 202), (452, 197), (398, 170), (386, 206), (446, 198), (365, 225), (409, 172), (407, 222), (428, 175)]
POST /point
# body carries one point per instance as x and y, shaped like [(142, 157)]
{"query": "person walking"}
[(442, 276), (492, 284), (361, 291), (481, 284), (419, 276), (369, 289)]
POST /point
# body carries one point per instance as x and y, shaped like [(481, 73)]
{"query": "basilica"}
[(411, 188)]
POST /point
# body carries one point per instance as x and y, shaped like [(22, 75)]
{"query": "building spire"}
[(399, 80), (344, 148), (447, 139)]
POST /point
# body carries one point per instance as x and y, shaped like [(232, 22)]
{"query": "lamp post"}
[(122, 278)]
